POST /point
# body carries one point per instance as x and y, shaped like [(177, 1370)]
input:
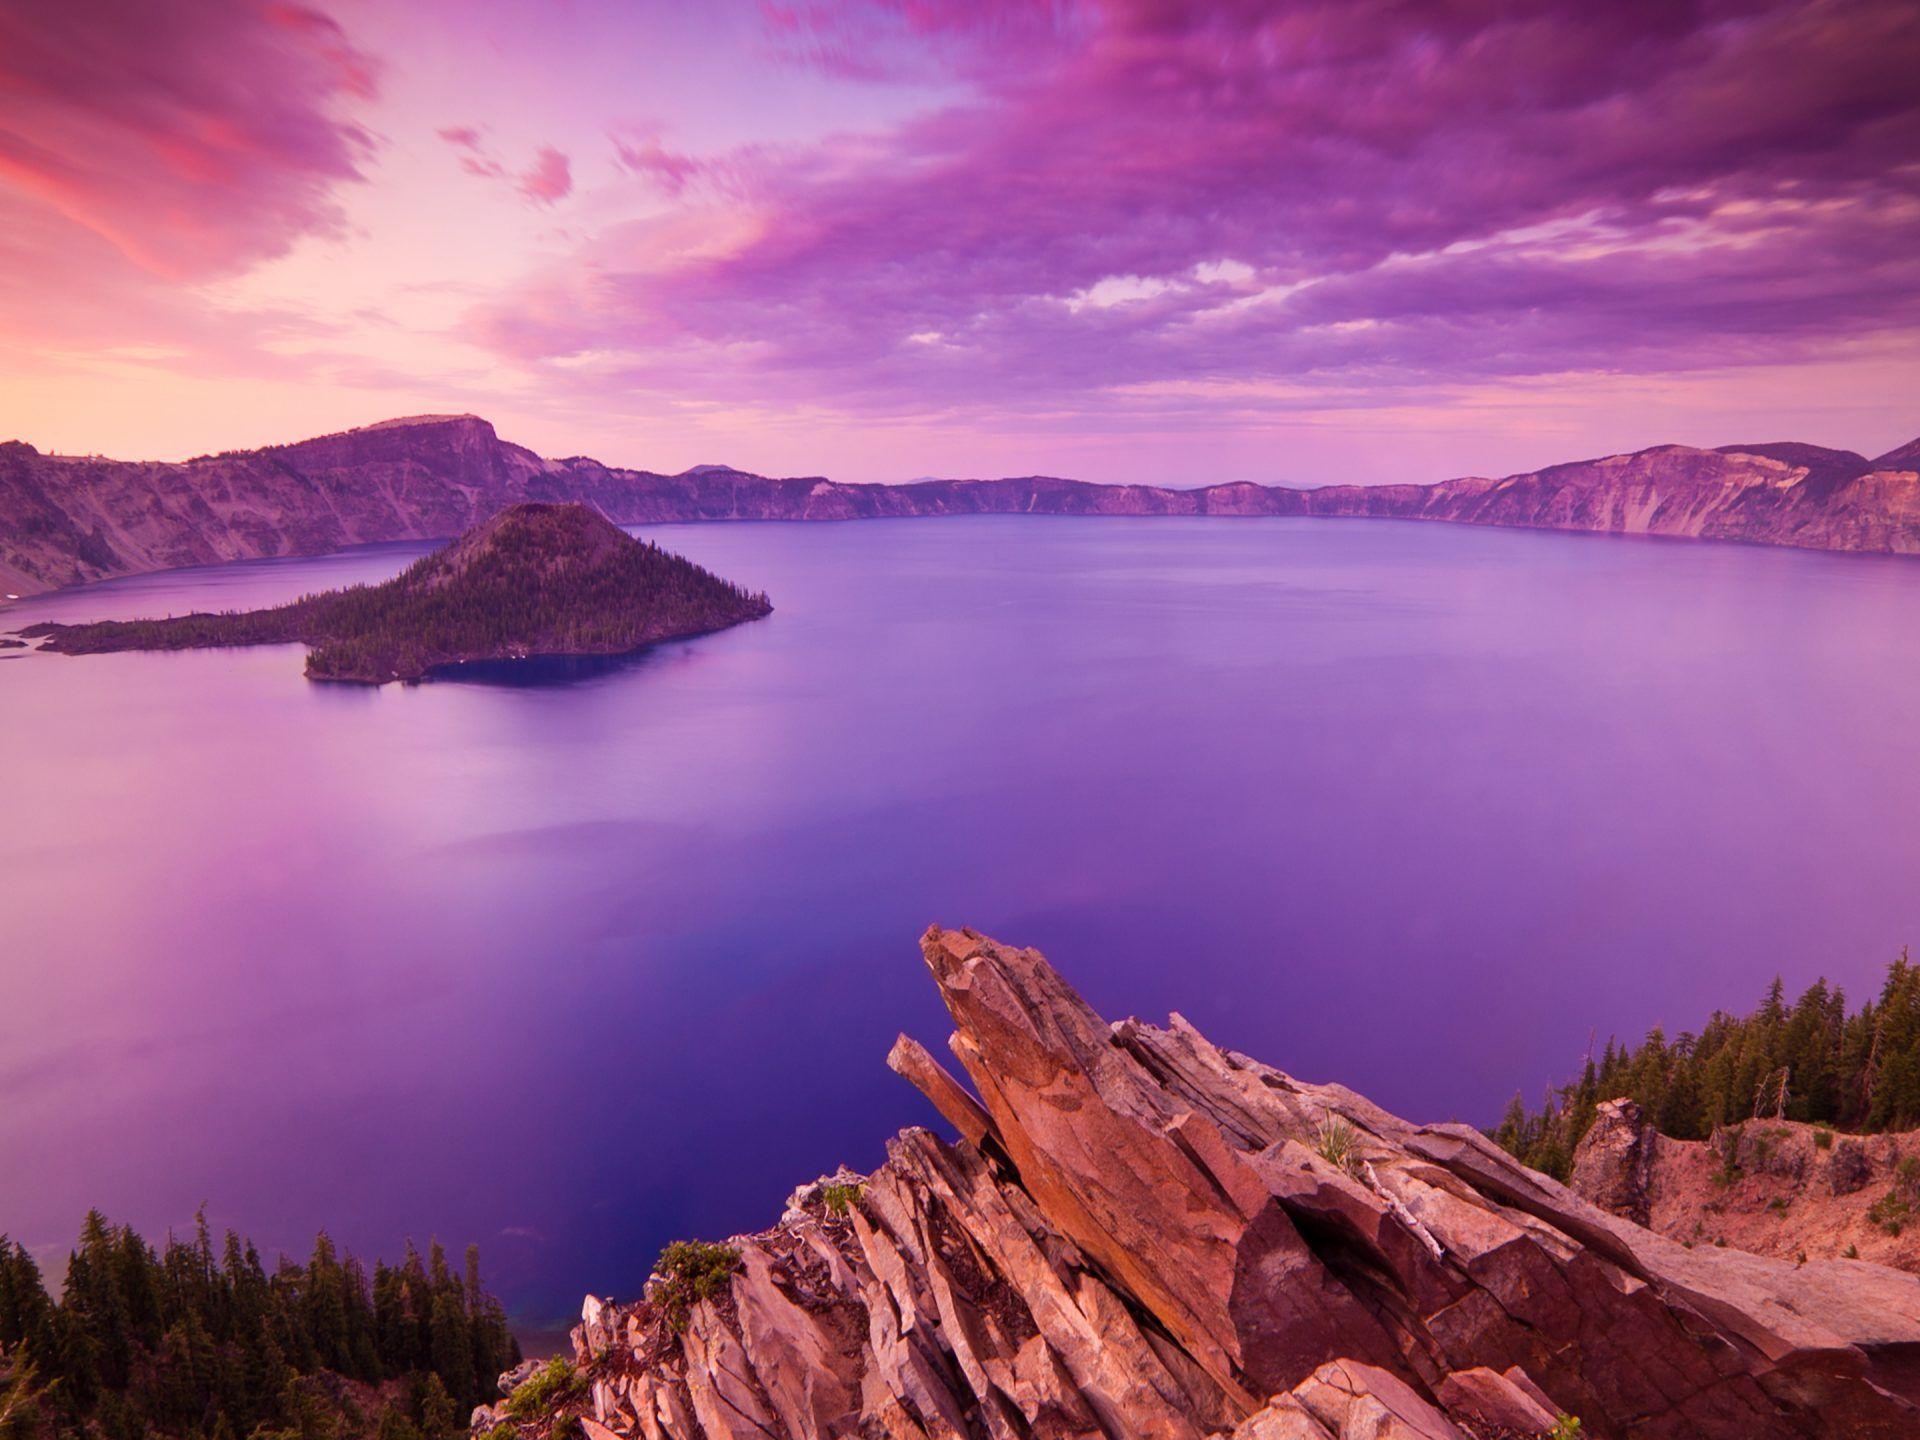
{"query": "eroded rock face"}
[(1613, 1165), (1142, 1235), (1772, 1187)]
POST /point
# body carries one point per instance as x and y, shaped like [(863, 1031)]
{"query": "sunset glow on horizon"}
[(1129, 240)]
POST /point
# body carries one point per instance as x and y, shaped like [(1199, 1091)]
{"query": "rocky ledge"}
[(1138, 1234)]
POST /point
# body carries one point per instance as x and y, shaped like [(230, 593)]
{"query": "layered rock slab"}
[(1142, 1235)]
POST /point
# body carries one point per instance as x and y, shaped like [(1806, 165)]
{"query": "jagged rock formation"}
[(67, 519), (1773, 1187), (1139, 1234)]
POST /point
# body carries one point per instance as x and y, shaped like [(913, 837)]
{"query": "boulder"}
[(1613, 1164), (513, 1379), (1352, 1399), (1850, 1168), (597, 1326), (1502, 1402)]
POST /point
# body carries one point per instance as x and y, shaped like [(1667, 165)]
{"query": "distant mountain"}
[(1905, 457), (67, 519), (535, 580)]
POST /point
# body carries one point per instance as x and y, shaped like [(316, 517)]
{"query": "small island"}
[(535, 581)]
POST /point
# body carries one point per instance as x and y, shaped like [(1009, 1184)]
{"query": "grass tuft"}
[(687, 1272), (1336, 1144), (841, 1198), (553, 1385)]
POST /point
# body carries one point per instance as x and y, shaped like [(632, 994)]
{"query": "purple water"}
[(573, 970)]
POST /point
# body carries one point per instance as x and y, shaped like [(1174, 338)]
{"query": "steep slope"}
[(1827, 469), (536, 579), (65, 519), (1904, 457), (1141, 1235)]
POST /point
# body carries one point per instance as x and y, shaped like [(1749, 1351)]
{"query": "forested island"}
[(194, 1341), (535, 580)]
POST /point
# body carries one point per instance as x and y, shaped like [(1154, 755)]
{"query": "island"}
[(536, 580)]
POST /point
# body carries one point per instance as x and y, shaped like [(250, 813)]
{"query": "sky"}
[(1127, 240)]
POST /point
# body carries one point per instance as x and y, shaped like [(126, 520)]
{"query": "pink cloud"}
[(643, 154), (1346, 198), (548, 179), (196, 137), (474, 157)]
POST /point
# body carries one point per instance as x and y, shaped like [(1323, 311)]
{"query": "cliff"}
[(1139, 1234), (1774, 1187), (535, 580), (66, 519)]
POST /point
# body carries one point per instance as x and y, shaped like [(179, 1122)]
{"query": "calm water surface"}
[(576, 969)]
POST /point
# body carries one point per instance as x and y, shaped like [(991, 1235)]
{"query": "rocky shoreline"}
[(1138, 1234)]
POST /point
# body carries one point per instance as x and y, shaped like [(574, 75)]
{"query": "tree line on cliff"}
[(186, 1342), (1812, 1060)]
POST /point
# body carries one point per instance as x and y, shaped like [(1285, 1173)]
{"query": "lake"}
[(575, 969)]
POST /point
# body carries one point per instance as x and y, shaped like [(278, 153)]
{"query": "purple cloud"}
[(1140, 196)]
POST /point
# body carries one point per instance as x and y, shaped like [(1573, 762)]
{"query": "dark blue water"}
[(575, 969)]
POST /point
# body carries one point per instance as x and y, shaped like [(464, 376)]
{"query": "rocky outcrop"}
[(1139, 1234), (68, 519), (1772, 1187), (1613, 1166)]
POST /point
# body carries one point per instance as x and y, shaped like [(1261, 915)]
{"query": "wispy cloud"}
[(544, 182), (196, 138)]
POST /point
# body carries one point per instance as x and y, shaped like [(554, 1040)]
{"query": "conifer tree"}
[(191, 1342), (1809, 1061)]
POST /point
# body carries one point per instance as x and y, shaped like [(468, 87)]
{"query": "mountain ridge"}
[(68, 520)]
